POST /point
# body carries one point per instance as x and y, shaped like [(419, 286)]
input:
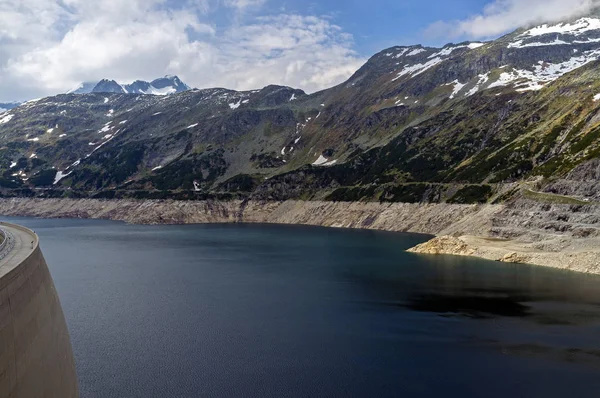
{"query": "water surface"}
[(292, 311)]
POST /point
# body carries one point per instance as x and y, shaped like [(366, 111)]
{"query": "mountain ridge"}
[(166, 85), (458, 123)]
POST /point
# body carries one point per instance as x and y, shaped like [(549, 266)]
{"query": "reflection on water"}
[(483, 289), (274, 311), (472, 306)]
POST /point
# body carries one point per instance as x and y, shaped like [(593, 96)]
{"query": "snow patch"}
[(480, 83), (402, 52), (576, 28), (473, 46), (504, 80), (321, 161), (543, 72), (415, 52), (590, 40), (101, 145), (157, 168), (415, 70), (191, 126), (105, 129), (519, 44), (444, 52), (235, 105), (160, 91), (60, 175), (6, 118), (457, 87)]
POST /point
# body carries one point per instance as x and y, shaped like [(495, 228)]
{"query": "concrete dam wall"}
[(36, 359)]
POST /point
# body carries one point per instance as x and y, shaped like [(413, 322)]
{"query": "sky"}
[(50, 46)]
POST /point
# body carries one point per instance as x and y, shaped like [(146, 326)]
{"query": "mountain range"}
[(471, 122), (162, 86), (7, 106)]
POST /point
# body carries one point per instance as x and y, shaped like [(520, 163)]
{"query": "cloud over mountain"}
[(49, 46), (501, 16)]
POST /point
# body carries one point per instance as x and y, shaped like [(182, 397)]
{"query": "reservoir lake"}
[(294, 311)]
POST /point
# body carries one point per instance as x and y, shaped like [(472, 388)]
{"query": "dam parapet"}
[(36, 358)]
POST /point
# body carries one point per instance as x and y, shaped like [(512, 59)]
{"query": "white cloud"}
[(501, 16), (305, 52), (241, 4), (49, 46)]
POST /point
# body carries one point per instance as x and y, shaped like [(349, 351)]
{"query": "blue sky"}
[(50, 46), (389, 22)]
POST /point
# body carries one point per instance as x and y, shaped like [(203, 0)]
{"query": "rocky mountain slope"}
[(467, 123)]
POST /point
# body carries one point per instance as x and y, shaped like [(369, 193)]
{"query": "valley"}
[(507, 131)]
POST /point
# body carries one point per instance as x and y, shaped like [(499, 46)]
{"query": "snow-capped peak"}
[(576, 28), (162, 86)]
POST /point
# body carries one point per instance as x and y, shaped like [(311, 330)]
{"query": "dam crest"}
[(36, 358)]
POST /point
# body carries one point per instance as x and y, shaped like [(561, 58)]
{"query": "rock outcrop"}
[(444, 245)]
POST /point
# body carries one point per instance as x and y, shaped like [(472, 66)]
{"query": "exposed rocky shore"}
[(585, 258), (561, 236), (418, 218)]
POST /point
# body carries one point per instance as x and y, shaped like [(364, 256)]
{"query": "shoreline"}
[(510, 251), (464, 230)]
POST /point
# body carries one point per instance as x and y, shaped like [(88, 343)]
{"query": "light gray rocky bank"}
[(561, 236), (419, 218)]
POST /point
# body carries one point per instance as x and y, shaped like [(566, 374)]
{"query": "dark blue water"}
[(281, 311)]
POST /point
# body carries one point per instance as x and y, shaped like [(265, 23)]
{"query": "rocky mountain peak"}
[(161, 86), (83, 88), (169, 83), (109, 86)]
